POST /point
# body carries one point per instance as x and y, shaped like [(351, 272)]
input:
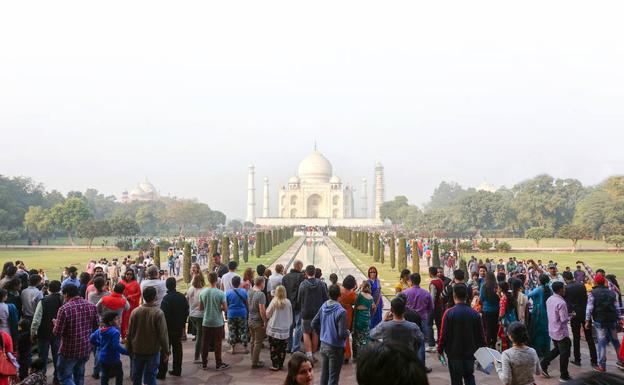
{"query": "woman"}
[(195, 269), (237, 312), (8, 316), (538, 327), (132, 292), (519, 364), (7, 347), (403, 283), (361, 318), (347, 300), (489, 308), (507, 312), (248, 277), (377, 308), (43, 275), (279, 316), (521, 299), (196, 316), (84, 280), (299, 370)]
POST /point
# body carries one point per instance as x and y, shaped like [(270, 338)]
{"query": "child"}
[(106, 339), (24, 355), (37, 376)]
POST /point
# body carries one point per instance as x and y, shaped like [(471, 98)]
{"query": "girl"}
[(521, 299), (489, 308), (403, 283), (279, 315), (375, 285), (299, 370), (507, 312), (6, 344), (361, 317), (248, 277), (520, 363), (196, 316), (538, 327)]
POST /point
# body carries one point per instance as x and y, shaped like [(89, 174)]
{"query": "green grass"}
[(64, 241), (554, 242), (266, 259)]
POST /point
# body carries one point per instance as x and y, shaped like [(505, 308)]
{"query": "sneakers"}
[(565, 379), (222, 366), (620, 365), (600, 369)]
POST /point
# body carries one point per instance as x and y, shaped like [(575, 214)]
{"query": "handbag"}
[(7, 368)]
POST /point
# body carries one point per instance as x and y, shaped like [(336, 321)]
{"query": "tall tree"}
[(69, 214)]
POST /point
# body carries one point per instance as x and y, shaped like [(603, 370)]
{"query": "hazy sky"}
[(187, 94)]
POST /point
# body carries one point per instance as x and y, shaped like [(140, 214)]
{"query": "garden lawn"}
[(555, 242)]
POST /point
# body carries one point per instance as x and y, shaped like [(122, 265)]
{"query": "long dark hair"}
[(544, 279), (490, 287), (294, 364), (511, 300)]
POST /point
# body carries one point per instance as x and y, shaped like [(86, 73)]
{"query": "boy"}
[(24, 355), (106, 339), (37, 376)]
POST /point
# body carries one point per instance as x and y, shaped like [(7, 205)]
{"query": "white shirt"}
[(159, 285), (274, 281), (226, 280)]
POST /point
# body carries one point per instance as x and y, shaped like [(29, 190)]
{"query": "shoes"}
[(544, 370), (197, 361), (204, 367), (258, 365), (172, 373), (274, 369), (223, 366), (620, 365), (346, 361), (428, 370), (431, 349), (565, 378), (576, 362), (600, 369)]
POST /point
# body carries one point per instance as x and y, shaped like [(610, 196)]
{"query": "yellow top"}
[(400, 286)]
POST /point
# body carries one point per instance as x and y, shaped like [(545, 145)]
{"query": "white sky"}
[(187, 94)]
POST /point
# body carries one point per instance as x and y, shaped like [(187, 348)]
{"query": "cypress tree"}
[(415, 260), (225, 249), (235, 250), (214, 245), (392, 253), (376, 247), (435, 261), (370, 245), (258, 245), (157, 257), (186, 265), (402, 255), (382, 251), (463, 266), (246, 249)]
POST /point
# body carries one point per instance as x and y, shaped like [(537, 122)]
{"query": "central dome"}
[(315, 168)]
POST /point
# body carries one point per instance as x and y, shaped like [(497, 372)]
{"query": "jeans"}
[(108, 371), (436, 317), (576, 325), (461, 371), (607, 332), (96, 361), (561, 349), (71, 370), (144, 368), (44, 346), (332, 364), (257, 336), (294, 343)]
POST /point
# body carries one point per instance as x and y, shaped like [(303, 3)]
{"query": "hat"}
[(599, 279)]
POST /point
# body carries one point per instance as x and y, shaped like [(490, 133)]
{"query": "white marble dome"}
[(315, 168), (293, 179), (335, 180)]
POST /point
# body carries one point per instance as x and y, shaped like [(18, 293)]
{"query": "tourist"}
[(558, 319), (447, 292), (218, 267), (389, 364), (75, 321), (403, 283), (238, 331), (538, 327), (248, 278), (436, 286), (114, 302), (147, 339), (279, 315), (395, 329), (347, 300), (331, 326), (507, 312), (30, 296), (579, 275), (9, 316), (489, 308), (176, 310), (24, 347), (132, 292), (37, 374), (171, 261), (312, 295), (520, 299), (226, 280), (361, 318), (42, 326), (8, 273), (602, 308), (6, 344), (275, 279), (553, 274), (213, 304), (460, 337), (519, 364), (84, 279), (299, 370), (291, 282), (13, 288), (376, 311), (106, 340), (94, 297), (153, 280), (72, 278), (257, 320), (196, 316), (333, 279), (576, 299)]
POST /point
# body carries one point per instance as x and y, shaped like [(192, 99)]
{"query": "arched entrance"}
[(314, 205)]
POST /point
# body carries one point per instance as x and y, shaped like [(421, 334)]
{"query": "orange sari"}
[(132, 292), (347, 300)]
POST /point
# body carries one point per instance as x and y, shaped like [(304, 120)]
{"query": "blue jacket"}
[(488, 306), (331, 324), (107, 340)]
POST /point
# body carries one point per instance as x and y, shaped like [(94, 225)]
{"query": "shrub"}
[(144, 244), (157, 256), (484, 246), (186, 263), (465, 247), (392, 253), (446, 246), (123, 244), (164, 244), (503, 247)]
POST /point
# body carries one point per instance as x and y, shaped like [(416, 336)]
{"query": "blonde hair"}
[(198, 281), (280, 297)]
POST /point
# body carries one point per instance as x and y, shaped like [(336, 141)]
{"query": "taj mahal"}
[(316, 197)]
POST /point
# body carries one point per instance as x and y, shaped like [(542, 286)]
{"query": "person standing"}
[(147, 338), (490, 303), (30, 296), (196, 316), (176, 310), (238, 331), (213, 303), (257, 320), (361, 318), (75, 321), (106, 339), (291, 282), (331, 325), (312, 294), (558, 319), (538, 327), (72, 279), (42, 326), (218, 267), (154, 281), (347, 300), (460, 337), (132, 292), (576, 298), (436, 286), (275, 279), (373, 279), (226, 280), (519, 364), (397, 330), (420, 301), (279, 315)]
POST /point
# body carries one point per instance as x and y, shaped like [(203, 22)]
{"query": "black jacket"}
[(176, 310), (291, 282), (50, 304), (576, 298), (604, 305), (461, 333), (312, 295)]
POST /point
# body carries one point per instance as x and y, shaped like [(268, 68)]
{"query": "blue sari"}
[(538, 325), (376, 292)]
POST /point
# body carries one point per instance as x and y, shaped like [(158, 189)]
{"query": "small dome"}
[(335, 180), (147, 187), (136, 192), (486, 186), (293, 179), (315, 168)]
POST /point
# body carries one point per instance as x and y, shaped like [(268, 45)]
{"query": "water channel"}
[(315, 252)]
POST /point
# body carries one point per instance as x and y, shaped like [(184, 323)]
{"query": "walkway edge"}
[(287, 258)]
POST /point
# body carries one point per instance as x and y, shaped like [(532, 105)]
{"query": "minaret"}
[(265, 203), (379, 190), (251, 195), (364, 198)]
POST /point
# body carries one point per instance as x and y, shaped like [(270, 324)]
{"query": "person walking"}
[(460, 337), (213, 304), (132, 292), (519, 364), (42, 326), (312, 294), (361, 318), (279, 316), (331, 325), (576, 298), (257, 320), (238, 330), (196, 316), (176, 310), (490, 305), (291, 282), (538, 327), (558, 319), (106, 339), (75, 321), (114, 302), (147, 338), (373, 279)]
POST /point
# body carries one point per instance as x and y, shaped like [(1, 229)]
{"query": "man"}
[(331, 325), (42, 326), (396, 329), (275, 279), (213, 303), (436, 285), (460, 337), (226, 280), (171, 262), (218, 267), (75, 321), (388, 364), (147, 338), (257, 320), (576, 298), (312, 294), (176, 309), (419, 300), (291, 282), (602, 308), (72, 279), (511, 266), (558, 318), (447, 292), (553, 274), (154, 281), (579, 274), (31, 296)]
